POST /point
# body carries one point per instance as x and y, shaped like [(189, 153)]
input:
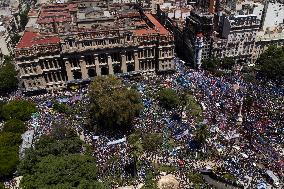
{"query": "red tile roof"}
[(60, 7), (56, 13), (54, 19), (159, 29), (30, 39)]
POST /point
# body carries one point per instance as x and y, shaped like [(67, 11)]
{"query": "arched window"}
[(130, 68), (116, 68), (91, 72), (104, 71), (77, 75)]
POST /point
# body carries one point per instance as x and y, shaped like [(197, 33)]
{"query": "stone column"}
[(52, 77), (38, 69), (56, 76), (43, 83), (136, 61), (22, 71), (61, 76), (83, 68), (123, 63), (97, 64), (68, 69), (47, 79), (25, 83), (109, 62), (53, 63), (50, 64)]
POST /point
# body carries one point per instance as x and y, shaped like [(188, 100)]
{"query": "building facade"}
[(237, 37), (241, 30), (199, 30), (263, 41), (273, 16), (74, 44)]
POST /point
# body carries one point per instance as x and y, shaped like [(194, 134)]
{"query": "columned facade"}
[(53, 61)]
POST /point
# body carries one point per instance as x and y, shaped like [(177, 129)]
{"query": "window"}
[(129, 56), (70, 43), (128, 37)]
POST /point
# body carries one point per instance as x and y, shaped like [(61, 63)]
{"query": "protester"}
[(245, 149)]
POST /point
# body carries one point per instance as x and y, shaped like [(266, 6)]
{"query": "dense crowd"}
[(245, 148)]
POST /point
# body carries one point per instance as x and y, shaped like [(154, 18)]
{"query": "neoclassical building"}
[(71, 43)]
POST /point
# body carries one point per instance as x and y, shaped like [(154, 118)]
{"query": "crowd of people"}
[(245, 138)]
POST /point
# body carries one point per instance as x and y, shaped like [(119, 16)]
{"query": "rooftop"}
[(158, 28), (31, 39), (56, 13), (128, 20)]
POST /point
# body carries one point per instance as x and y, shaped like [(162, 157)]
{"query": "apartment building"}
[(237, 37)]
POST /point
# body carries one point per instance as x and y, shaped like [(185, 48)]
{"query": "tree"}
[(7, 59), (15, 39), (8, 161), (190, 103), (211, 64), (61, 108), (9, 139), (24, 19), (49, 145), (2, 103), (167, 168), (68, 171), (18, 109), (201, 134), (227, 63), (248, 102), (249, 75), (196, 179), (2, 186), (229, 177), (271, 64), (14, 126), (8, 78), (61, 131), (150, 182), (9, 145), (168, 98), (112, 105), (135, 142), (152, 142)]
